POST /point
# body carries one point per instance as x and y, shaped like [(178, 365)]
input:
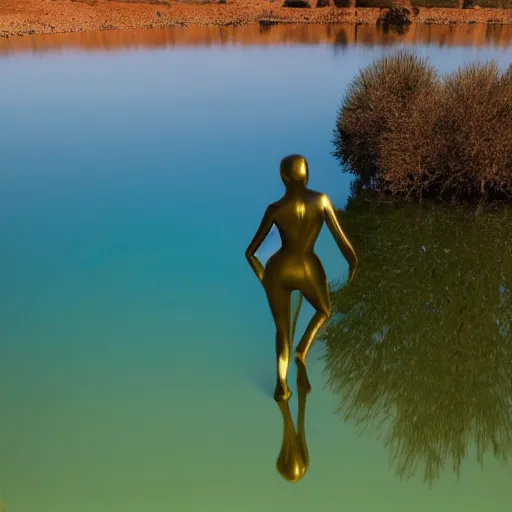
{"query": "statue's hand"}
[(258, 268), (256, 265)]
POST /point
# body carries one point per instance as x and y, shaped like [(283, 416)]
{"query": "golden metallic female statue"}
[(299, 216)]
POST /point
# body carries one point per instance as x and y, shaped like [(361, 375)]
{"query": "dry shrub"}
[(324, 3), (156, 2), (407, 162), (268, 13), (403, 130), (376, 4), (396, 15), (296, 3), (476, 116), (380, 97)]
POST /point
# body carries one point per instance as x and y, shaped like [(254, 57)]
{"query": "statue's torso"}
[(299, 220)]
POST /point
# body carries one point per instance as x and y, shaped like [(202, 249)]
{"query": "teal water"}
[(137, 349)]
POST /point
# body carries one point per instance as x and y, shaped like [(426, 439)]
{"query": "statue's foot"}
[(302, 374), (282, 392)]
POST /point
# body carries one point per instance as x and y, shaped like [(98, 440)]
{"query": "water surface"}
[(137, 352)]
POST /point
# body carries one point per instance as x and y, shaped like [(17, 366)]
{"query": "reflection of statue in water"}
[(299, 216), (293, 458)]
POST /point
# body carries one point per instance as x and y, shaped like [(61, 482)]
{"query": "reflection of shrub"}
[(423, 335), (296, 3), (397, 16), (403, 130)]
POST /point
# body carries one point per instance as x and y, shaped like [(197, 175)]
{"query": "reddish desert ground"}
[(22, 17)]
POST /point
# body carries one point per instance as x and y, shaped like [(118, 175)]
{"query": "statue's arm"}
[(266, 224), (339, 236)]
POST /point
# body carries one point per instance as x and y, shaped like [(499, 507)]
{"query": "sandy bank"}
[(22, 17)]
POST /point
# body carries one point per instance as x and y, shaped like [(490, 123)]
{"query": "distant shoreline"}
[(30, 17), (338, 36)]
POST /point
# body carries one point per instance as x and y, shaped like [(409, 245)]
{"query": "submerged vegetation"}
[(406, 131), (421, 340)]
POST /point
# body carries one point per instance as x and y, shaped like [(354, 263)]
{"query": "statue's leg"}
[(315, 324), (279, 301), (316, 292)]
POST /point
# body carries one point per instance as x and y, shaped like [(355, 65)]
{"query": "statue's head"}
[(294, 170)]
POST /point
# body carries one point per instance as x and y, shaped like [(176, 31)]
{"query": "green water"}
[(137, 349)]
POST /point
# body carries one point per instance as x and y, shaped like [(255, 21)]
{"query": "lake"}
[(137, 347)]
